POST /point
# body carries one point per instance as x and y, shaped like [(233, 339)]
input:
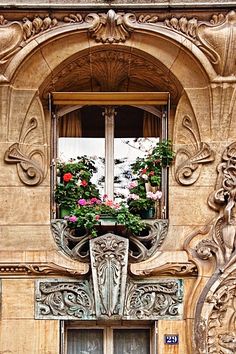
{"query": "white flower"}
[(144, 176)]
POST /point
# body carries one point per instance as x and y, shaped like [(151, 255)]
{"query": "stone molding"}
[(35, 269), (208, 36)]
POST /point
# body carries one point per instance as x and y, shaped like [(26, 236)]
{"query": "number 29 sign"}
[(171, 339)]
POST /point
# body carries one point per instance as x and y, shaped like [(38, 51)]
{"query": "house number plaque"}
[(171, 339)]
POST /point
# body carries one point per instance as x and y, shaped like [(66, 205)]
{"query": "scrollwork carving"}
[(109, 260), (147, 300), (64, 300), (210, 38), (140, 247), (188, 164), (31, 162), (218, 314)]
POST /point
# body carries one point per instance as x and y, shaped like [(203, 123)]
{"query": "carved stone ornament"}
[(30, 160), (208, 36), (64, 300), (109, 261), (108, 28), (215, 325), (188, 163), (140, 247), (152, 300), (108, 293)]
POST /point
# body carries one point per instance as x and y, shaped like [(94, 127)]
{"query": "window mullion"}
[(109, 114)]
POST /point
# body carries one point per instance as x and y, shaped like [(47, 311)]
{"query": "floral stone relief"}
[(109, 293)]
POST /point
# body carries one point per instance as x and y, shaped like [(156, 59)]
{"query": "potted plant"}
[(89, 213), (74, 183), (145, 188)]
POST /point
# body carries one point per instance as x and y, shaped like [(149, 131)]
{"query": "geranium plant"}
[(89, 213), (75, 182), (147, 173)]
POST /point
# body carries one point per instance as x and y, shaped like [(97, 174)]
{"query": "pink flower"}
[(82, 202), (94, 201), (109, 202), (73, 218), (133, 196), (104, 197), (133, 184), (84, 183), (97, 217), (154, 196)]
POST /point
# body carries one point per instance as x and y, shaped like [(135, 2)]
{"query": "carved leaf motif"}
[(31, 162), (65, 300), (11, 37), (188, 164), (146, 300), (109, 257)]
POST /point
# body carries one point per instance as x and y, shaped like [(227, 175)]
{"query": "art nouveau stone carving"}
[(188, 163), (153, 299), (208, 36), (64, 300), (140, 247), (215, 323), (109, 261), (30, 160), (215, 309), (108, 28)]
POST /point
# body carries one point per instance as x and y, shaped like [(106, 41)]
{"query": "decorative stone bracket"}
[(109, 294), (140, 247)]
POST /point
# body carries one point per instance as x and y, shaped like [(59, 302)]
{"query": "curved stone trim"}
[(140, 247)]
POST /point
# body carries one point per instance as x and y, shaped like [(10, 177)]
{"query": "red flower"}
[(97, 217), (151, 173), (84, 183), (67, 177), (144, 171)]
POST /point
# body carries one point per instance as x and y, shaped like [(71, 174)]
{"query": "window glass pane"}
[(82, 132), (131, 341), (82, 341), (126, 151)]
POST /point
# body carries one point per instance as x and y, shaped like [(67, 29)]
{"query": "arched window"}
[(114, 130)]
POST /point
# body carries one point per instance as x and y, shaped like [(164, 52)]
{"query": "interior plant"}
[(145, 188), (74, 182), (88, 214)]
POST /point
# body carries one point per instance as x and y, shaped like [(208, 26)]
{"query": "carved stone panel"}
[(64, 299), (109, 260), (152, 300)]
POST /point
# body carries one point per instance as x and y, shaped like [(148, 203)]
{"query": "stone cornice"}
[(116, 4)]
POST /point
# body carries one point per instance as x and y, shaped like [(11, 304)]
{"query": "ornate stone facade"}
[(189, 53)]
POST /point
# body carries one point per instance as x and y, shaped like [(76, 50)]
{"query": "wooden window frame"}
[(79, 99), (108, 327)]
